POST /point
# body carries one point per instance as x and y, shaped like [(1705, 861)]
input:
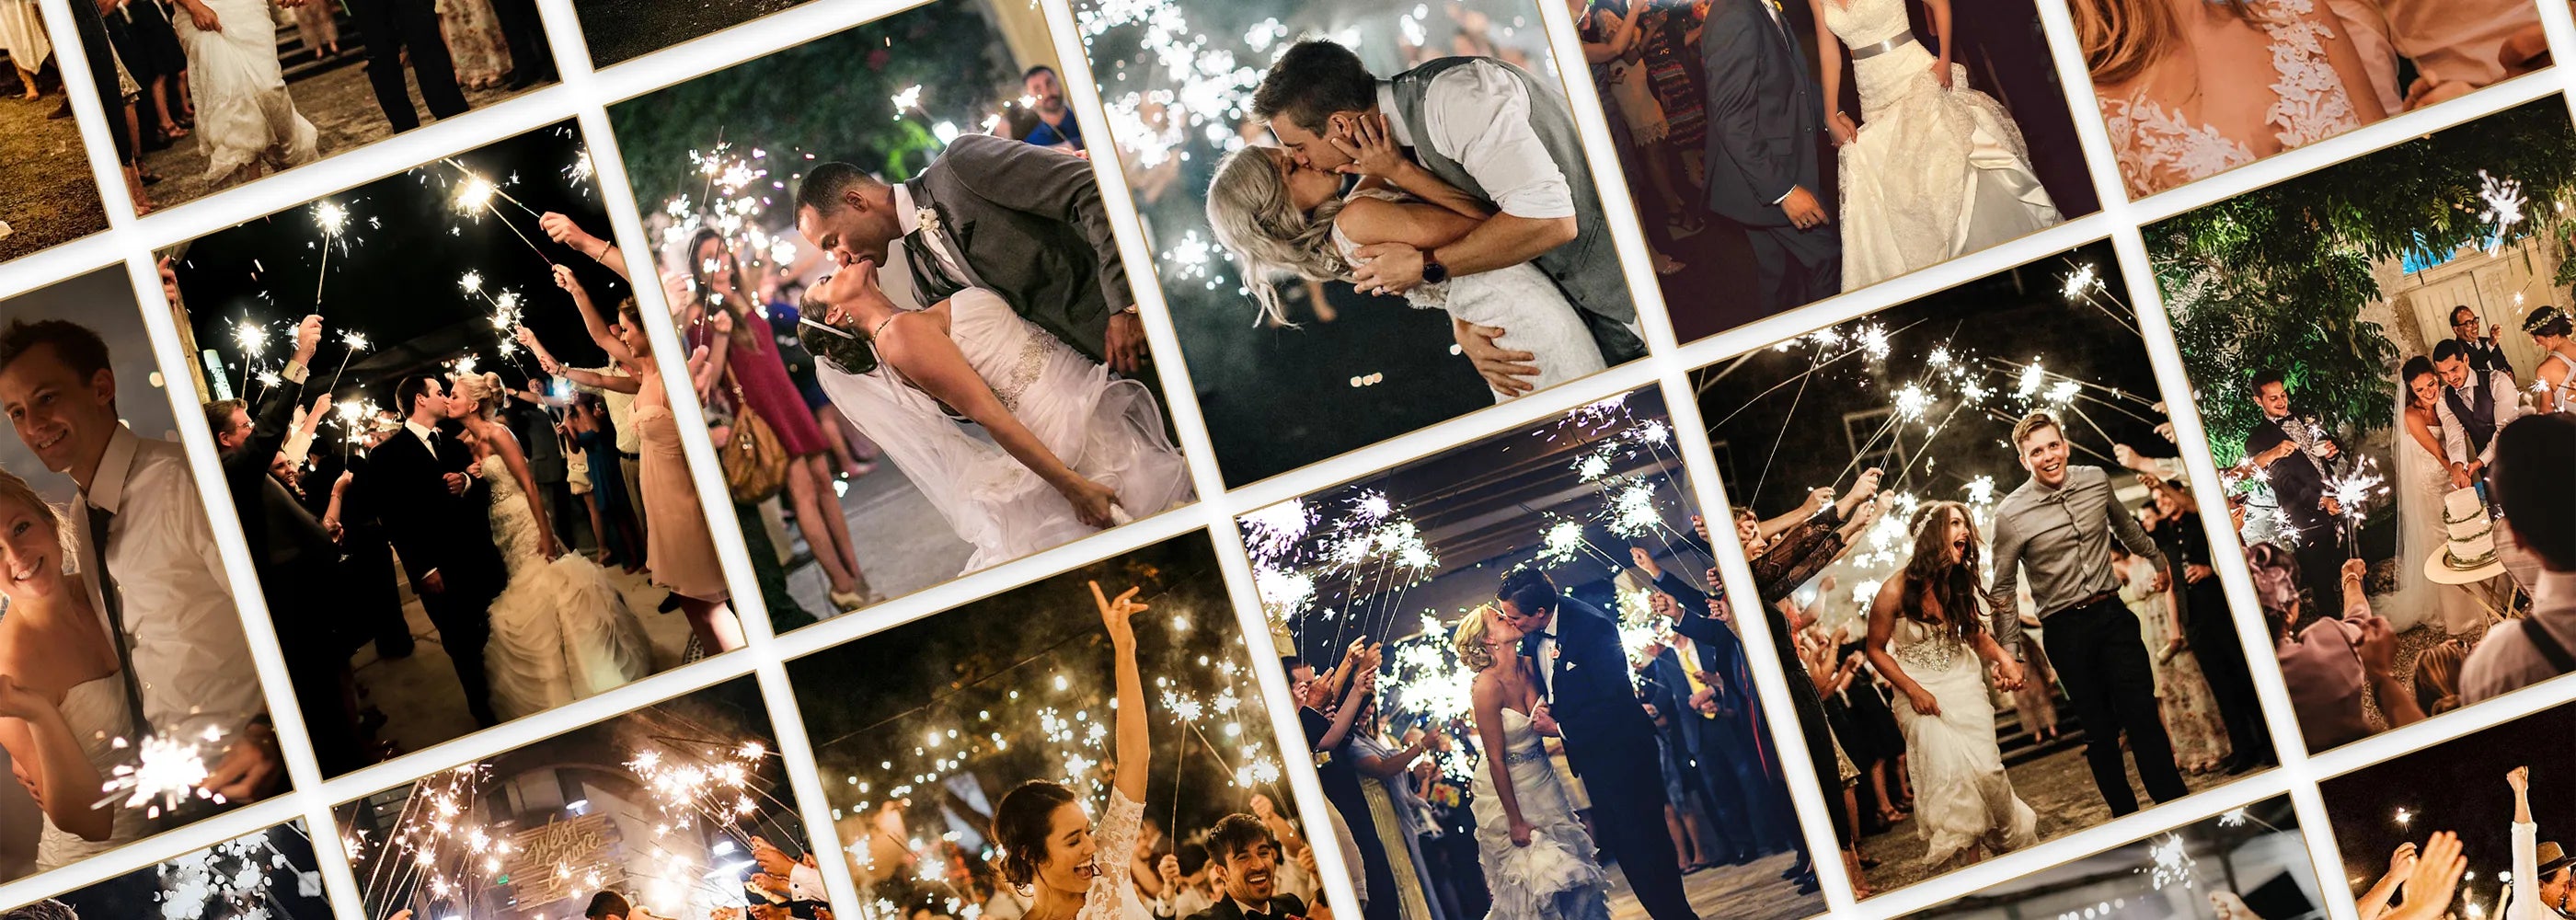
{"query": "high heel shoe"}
[(847, 601)]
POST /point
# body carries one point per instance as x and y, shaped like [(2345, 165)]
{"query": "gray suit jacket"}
[(1031, 226)]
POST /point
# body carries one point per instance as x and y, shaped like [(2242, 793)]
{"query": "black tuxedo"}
[(2298, 482), (367, 563), (452, 535), (297, 565), (1282, 907), (1766, 116), (1611, 744)]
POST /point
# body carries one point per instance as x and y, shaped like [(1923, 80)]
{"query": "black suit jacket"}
[(449, 533), (1281, 908), (284, 538), (1764, 111), (2294, 480), (1030, 224), (1590, 693)]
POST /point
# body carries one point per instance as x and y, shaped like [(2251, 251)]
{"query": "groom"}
[(1583, 680), (1493, 131), (1021, 221), (1765, 113), (446, 544)]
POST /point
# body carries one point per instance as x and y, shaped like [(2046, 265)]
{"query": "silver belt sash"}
[(1866, 52)]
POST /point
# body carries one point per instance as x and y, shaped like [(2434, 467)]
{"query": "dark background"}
[(2010, 315), (396, 279), (139, 893), (2458, 786)]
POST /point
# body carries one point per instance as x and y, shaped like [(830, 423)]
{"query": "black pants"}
[(464, 621), (2212, 636), (529, 59), (2321, 557), (1795, 267), (2103, 663), (1628, 809), (1811, 725), (301, 608), (390, 26), (102, 74), (368, 579)]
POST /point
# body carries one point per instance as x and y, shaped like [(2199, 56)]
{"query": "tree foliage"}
[(831, 98), (2276, 278)]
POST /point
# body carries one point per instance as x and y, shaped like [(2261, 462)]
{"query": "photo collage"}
[(1005, 459)]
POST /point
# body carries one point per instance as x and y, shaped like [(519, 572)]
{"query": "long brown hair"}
[(2122, 38), (702, 282), (1930, 573)]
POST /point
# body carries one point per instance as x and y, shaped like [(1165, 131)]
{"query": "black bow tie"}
[(1530, 644)]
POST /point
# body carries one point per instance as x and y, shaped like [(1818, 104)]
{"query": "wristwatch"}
[(1432, 271)]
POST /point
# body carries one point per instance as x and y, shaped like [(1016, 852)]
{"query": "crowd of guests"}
[(143, 53), (2422, 881)]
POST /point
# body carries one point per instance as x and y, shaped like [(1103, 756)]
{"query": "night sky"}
[(1797, 430), (396, 280), (2458, 785)]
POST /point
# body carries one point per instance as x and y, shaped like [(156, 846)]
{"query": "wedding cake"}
[(2469, 553)]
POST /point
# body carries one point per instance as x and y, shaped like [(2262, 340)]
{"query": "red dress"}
[(765, 385)]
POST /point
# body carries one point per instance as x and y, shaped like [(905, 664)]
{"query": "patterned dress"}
[(2182, 694)]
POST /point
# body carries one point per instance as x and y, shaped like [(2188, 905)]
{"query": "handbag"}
[(755, 463)]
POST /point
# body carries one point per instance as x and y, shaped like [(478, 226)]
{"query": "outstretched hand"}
[(1116, 613)]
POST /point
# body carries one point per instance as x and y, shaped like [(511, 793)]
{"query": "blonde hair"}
[(1249, 211), (14, 489), (482, 388), (2122, 38), (1470, 640)]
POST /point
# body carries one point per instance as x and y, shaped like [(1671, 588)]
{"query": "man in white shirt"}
[(2530, 484), (1493, 131), (140, 523), (2474, 406), (2540, 870)]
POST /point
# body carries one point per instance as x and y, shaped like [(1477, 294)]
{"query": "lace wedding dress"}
[(560, 629), (1109, 430), (1519, 299), (98, 715), (2421, 482), (1962, 796), (1934, 173), (243, 111), (2159, 148), (1554, 878)]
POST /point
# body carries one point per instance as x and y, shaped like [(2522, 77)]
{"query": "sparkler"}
[(166, 772), (2504, 201), (2172, 864), (474, 197), (332, 219), (2351, 490), (233, 879), (351, 343)]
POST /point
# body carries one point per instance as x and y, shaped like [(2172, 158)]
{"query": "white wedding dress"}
[(1962, 796), (1519, 299), (1934, 173), (561, 631), (97, 713), (243, 111), (1554, 878), (2421, 483), (2158, 149), (1109, 430)]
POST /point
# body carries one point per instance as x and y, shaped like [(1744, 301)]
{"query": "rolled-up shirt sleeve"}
[(1479, 115)]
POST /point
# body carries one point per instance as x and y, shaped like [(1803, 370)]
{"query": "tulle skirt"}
[(1554, 878), (561, 631)]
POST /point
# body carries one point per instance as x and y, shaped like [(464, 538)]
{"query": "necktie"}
[(99, 521), (929, 273)]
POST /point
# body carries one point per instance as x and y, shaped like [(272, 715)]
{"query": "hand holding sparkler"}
[(251, 768), (308, 336), (169, 279), (561, 229), (1645, 563)]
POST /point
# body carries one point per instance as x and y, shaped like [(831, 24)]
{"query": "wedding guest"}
[(2437, 676), (399, 30), (141, 533), (2541, 888), (2530, 483), (2326, 664), (2183, 699), (2553, 383), (2208, 630), (2058, 527), (2297, 455), (615, 389), (1050, 843), (2481, 349), (530, 421), (1337, 768), (1056, 125), (1395, 812), (1243, 846)]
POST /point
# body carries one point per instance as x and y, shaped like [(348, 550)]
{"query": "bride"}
[(560, 629), (1536, 856), (2192, 88), (1278, 217), (245, 119), (1926, 635), (1072, 450), (1934, 169), (2424, 475), (63, 706)]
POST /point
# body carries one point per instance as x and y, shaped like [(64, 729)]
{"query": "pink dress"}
[(765, 385)]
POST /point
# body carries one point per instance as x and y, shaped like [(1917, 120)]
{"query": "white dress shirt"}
[(2455, 437), (191, 660), (1479, 115), (2504, 660), (1547, 654)]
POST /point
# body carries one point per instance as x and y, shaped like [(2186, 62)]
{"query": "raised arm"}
[(1135, 749), (49, 758), (1348, 711), (2526, 859), (561, 229), (591, 321)]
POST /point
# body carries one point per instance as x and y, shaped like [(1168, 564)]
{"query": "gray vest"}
[(1586, 268)]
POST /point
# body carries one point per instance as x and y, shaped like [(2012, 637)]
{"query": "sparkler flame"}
[(474, 194)]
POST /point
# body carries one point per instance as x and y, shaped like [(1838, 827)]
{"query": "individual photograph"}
[(2387, 380), (1818, 148), (921, 342), (2248, 863), (269, 874), (480, 509), (1031, 754), (679, 809), (2191, 89), (2470, 827), (1467, 262), (206, 95), (51, 196), (1988, 560), (129, 703), (1520, 686)]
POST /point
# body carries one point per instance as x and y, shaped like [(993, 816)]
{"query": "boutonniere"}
[(1775, 7), (927, 219)]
